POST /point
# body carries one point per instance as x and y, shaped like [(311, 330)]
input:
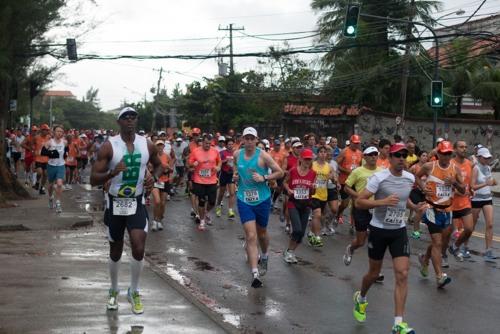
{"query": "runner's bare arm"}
[(277, 172), (340, 159), (236, 154), (154, 159), (424, 171), (458, 184), (100, 173)]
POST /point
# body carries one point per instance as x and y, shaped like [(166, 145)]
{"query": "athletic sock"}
[(361, 299), (113, 273), (135, 273), (398, 320)]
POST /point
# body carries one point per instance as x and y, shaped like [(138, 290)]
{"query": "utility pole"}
[(230, 28), (406, 68), (157, 101)]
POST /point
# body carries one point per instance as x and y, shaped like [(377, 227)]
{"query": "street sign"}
[(13, 105)]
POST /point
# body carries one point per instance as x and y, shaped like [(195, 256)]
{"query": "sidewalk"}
[(55, 279)]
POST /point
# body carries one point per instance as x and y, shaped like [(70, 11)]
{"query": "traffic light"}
[(71, 49), (436, 94), (351, 20)]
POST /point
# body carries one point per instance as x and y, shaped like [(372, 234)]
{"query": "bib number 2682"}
[(124, 206)]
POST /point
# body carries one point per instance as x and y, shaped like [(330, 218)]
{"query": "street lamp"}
[(458, 12)]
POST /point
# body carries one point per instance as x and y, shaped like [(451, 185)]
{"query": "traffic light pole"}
[(436, 56)]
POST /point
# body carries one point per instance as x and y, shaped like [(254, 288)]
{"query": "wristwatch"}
[(266, 177)]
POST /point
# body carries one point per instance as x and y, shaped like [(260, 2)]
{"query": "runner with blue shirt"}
[(251, 171)]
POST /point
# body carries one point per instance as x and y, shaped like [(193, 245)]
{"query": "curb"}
[(181, 289)]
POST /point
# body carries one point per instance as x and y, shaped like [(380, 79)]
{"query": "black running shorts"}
[(117, 224), (379, 239)]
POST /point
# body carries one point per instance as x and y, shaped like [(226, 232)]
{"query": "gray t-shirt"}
[(384, 184)]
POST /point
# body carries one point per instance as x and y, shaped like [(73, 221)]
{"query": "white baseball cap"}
[(126, 110), (222, 138), (297, 144), (439, 140), (370, 150), (178, 139), (484, 152), (249, 131)]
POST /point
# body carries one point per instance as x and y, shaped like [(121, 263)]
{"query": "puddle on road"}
[(178, 251), (201, 265)]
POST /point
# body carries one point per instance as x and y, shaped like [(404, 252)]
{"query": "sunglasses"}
[(129, 116), (374, 154), (400, 155)]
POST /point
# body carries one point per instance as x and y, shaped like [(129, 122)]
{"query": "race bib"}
[(159, 185), (205, 172), (124, 206), (443, 191), (394, 216), (230, 163), (321, 183), (251, 196), (301, 193)]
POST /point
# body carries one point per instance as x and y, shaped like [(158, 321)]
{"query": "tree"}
[(487, 86)]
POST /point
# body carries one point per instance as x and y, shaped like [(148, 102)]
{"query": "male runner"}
[(251, 171), (41, 160), (57, 148), (390, 189), (123, 160)]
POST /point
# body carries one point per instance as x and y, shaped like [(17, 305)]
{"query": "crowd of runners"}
[(310, 182)]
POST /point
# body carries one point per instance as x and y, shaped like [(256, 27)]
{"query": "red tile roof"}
[(59, 93)]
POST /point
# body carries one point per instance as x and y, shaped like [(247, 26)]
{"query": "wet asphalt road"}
[(315, 296)]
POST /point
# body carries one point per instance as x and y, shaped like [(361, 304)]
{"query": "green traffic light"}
[(437, 100), (350, 30)]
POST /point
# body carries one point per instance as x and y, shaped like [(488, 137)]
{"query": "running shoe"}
[(289, 257), (455, 251), (359, 310), (456, 234), (424, 268), (160, 226), (42, 191), (154, 226), (340, 220), (288, 228), (489, 256), (351, 230), (58, 207), (444, 261), (256, 281), (230, 214), (193, 214), (415, 235), (135, 300), (218, 211), (466, 253), (380, 278), (263, 265), (443, 280), (197, 219), (202, 226), (282, 217), (208, 220), (347, 255), (402, 328), (330, 230), (112, 300), (51, 203)]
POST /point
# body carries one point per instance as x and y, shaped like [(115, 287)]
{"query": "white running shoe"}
[(160, 226), (154, 226)]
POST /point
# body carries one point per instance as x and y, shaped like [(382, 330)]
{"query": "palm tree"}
[(460, 68), (487, 86)]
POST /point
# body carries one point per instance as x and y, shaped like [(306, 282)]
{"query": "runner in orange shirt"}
[(71, 162), (41, 160), (384, 146), (462, 206), (161, 188), (206, 163)]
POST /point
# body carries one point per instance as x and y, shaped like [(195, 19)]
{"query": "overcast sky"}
[(154, 27)]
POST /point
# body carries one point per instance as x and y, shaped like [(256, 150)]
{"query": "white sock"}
[(398, 320), (113, 273), (135, 273), (255, 271), (361, 299)]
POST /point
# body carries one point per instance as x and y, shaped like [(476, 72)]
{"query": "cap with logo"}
[(445, 147), (484, 152), (370, 150), (355, 139), (126, 110), (250, 131)]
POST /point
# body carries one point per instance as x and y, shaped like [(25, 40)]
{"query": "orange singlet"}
[(72, 154), (460, 201), (39, 142), (164, 163), (442, 195), (383, 163), (352, 160)]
